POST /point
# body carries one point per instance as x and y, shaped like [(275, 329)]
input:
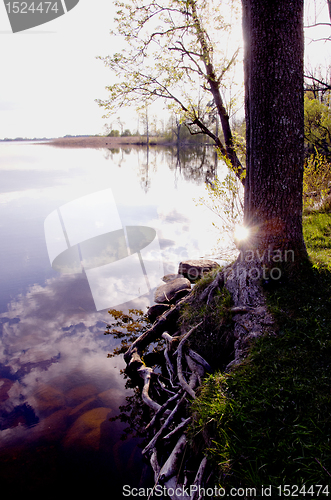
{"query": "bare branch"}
[(187, 387), (175, 30)]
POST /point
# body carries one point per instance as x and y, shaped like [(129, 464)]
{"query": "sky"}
[(50, 76)]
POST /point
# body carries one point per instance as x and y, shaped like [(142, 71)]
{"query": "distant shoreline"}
[(104, 142)]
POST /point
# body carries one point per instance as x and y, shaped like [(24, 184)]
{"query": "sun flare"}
[(241, 233)]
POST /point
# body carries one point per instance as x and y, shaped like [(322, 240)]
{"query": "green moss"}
[(126, 327), (216, 327)]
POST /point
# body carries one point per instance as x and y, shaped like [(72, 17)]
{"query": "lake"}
[(82, 231)]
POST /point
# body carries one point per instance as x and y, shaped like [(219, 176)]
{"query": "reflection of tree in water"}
[(193, 163), (109, 154), (127, 327), (144, 165)]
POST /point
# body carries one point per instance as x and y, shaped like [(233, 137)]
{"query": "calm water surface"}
[(58, 389)]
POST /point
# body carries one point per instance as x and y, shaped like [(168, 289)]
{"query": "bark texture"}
[(274, 47)]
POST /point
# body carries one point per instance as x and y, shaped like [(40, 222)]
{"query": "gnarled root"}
[(145, 373), (183, 370), (169, 418), (165, 322), (170, 468)]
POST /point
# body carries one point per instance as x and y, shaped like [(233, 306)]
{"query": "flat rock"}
[(80, 393), (85, 432), (49, 399), (171, 277), (165, 293), (196, 269), (180, 295)]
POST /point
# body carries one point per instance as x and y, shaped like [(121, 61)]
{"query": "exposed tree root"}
[(184, 370), (170, 468), (198, 479), (165, 322)]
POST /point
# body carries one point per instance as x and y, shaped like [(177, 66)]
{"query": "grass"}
[(269, 421), (317, 233)]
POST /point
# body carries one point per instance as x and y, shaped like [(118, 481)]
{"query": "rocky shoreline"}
[(168, 394), (177, 286), (226, 311)]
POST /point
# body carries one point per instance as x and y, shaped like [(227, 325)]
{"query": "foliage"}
[(318, 125), (316, 180), (126, 327), (126, 133), (268, 421), (114, 133), (172, 52), (208, 414)]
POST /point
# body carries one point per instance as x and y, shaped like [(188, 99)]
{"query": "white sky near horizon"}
[(50, 76)]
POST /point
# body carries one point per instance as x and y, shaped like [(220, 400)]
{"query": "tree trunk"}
[(274, 46)]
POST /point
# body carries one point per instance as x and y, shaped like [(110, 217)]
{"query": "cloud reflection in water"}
[(51, 348), (121, 262)]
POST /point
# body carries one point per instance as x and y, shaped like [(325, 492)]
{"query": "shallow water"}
[(63, 264)]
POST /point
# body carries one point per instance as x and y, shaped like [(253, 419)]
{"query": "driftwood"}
[(170, 368), (169, 419), (187, 387), (200, 360), (170, 468), (162, 410), (198, 479), (178, 428), (183, 371), (165, 426), (155, 464), (167, 319), (145, 373)]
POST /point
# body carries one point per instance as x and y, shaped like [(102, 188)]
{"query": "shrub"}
[(316, 181)]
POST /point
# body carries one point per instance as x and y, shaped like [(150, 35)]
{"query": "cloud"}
[(52, 343), (7, 106), (22, 180)]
